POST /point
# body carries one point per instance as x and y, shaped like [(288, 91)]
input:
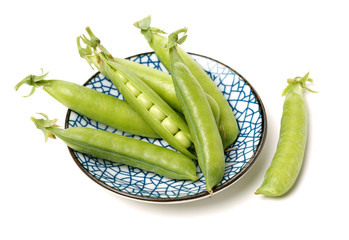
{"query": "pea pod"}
[(228, 125), (198, 113), (95, 105), (121, 149), (161, 82), (164, 120), (288, 159)]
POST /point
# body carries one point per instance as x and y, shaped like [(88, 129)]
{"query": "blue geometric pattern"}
[(143, 185)]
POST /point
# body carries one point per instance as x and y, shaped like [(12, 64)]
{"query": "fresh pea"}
[(228, 125), (95, 105), (287, 161), (198, 113), (121, 149), (144, 101)]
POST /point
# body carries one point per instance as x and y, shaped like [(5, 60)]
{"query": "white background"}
[(44, 195)]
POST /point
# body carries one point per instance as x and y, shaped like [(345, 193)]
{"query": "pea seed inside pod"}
[(157, 113), (144, 100), (134, 90), (182, 138), (121, 77), (170, 125)]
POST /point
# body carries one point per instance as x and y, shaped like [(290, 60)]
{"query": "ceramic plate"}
[(146, 186)]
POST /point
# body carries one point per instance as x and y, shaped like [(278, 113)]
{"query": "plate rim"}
[(186, 198)]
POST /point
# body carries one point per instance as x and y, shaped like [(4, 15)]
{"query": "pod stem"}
[(174, 39), (32, 80), (95, 43), (94, 50), (86, 52), (298, 80), (146, 30), (44, 124)]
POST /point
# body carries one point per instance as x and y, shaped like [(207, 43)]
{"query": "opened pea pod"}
[(163, 119), (162, 83), (121, 149)]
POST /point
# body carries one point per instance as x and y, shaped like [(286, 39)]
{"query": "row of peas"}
[(156, 112)]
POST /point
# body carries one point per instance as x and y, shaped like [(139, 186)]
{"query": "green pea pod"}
[(167, 124), (162, 84), (95, 105), (121, 149), (229, 129), (198, 113), (287, 161), (164, 120)]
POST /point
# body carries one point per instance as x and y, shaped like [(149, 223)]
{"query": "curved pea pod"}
[(288, 159), (200, 118), (229, 129), (163, 119), (162, 83), (95, 105), (121, 149)]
